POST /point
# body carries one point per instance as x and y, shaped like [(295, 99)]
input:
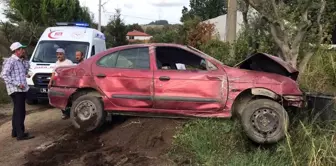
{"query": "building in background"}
[(220, 25), (135, 35)]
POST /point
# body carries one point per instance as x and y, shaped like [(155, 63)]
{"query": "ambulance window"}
[(93, 51)]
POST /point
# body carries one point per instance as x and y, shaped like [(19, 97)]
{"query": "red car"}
[(174, 80)]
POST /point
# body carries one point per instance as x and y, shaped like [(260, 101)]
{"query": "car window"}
[(143, 58), (173, 58), (136, 58), (108, 60), (127, 58)]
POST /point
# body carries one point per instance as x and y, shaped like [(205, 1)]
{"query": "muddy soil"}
[(125, 141)]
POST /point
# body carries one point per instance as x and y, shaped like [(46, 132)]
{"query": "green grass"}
[(222, 142)]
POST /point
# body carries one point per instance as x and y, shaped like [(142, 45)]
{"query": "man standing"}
[(61, 61), (79, 56), (14, 74)]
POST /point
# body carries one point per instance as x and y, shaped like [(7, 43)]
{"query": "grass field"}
[(222, 142)]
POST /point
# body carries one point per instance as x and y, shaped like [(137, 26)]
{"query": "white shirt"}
[(66, 62)]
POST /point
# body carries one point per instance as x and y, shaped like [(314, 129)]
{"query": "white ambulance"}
[(71, 37)]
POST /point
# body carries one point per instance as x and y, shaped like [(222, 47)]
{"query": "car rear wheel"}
[(87, 113), (265, 121)]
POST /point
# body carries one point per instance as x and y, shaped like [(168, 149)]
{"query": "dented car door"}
[(183, 89), (126, 78)]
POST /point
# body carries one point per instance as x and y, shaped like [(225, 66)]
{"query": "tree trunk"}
[(303, 64)]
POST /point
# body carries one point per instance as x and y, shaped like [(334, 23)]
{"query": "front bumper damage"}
[(294, 101)]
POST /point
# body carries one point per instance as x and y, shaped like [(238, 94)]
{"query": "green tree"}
[(134, 27), (47, 12), (116, 31), (29, 18), (167, 34), (297, 27), (204, 9), (159, 22)]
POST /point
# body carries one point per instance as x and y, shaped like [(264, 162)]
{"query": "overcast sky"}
[(139, 11)]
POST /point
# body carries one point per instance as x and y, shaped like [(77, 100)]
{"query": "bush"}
[(218, 50), (4, 98), (221, 51), (320, 74)]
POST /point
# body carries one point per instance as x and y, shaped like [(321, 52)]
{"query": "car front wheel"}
[(265, 121), (87, 113)]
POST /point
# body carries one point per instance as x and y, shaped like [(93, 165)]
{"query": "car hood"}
[(267, 63)]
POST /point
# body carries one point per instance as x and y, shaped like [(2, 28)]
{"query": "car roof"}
[(146, 45)]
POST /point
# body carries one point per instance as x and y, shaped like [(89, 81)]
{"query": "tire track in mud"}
[(125, 142)]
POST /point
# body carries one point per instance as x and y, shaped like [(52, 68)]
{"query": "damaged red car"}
[(169, 80)]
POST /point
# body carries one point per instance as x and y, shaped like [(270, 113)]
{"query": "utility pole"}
[(99, 19), (231, 22)]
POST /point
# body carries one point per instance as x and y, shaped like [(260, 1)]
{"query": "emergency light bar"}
[(79, 24)]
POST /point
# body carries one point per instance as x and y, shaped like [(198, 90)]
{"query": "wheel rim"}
[(266, 121), (85, 114)]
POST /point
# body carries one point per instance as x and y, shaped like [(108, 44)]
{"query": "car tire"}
[(87, 113), (265, 121), (31, 102)]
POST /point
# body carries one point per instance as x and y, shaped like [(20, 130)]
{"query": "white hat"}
[(60, 50), (16, 45)]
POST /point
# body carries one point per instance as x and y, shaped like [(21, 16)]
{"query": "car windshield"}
[(46, 50), (208, 56)]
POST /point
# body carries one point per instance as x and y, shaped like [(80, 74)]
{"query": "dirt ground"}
[(125, 141)]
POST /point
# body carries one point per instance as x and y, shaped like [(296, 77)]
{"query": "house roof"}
[(137, 33)]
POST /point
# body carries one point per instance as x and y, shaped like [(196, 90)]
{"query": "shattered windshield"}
[(46, 50)]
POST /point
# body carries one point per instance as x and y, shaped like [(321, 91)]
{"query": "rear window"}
[(136, 58)]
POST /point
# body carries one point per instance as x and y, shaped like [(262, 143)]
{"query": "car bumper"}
[(59, 97), (295, 101), (35, 93)]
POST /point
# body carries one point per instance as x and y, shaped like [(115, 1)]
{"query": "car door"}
[(126, 78), (178, 88)]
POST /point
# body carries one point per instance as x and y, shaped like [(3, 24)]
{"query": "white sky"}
[(139, 11), (135, 11)]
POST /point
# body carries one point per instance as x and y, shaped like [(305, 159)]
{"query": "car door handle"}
[(164, 78), (214, 77), (101, 75)]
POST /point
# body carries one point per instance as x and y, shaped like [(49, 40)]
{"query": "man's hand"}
[(21, 86), (49, 85)]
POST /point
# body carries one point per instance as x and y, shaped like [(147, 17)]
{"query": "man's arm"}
[(52, 76), (27, 65), (5, 74)]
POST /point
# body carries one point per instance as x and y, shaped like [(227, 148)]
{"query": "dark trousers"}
[(66, 112), (19, 113)]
